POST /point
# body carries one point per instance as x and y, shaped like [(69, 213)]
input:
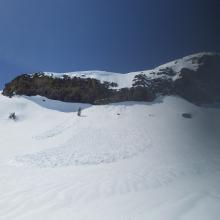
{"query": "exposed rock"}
[(85, 90), (187, 115), (203, 85), (195, 78)]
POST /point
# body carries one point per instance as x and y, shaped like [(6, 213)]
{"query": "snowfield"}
[(122, 161)]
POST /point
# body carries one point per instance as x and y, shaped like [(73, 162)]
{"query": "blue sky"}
[(113, 35)]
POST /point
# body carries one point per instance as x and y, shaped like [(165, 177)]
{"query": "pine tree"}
[(79, 111)]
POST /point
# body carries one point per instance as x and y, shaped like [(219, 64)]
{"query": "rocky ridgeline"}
[(76, 89), (200, 85)]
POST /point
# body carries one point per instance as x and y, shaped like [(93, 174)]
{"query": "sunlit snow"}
[(123, 161)]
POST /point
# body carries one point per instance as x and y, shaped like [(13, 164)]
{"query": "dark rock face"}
[(65, 89), (200, 86), (75, 89), (128, 94), (203, 85), (187, 115)]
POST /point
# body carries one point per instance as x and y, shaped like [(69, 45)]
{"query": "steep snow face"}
[(125, 80), (131, 160)]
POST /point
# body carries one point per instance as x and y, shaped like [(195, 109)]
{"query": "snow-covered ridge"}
[(194, 78), (122, 80), (125, 79)]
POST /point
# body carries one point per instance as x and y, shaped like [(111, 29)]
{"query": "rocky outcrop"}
[(200, 86), (85, 90), (195, 78)]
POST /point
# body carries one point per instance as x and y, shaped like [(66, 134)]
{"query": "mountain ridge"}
[(195, 77)]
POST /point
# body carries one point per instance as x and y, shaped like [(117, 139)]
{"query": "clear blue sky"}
[(112, 35)]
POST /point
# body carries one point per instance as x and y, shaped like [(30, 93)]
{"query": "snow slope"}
[(124, 161), (125, 80)]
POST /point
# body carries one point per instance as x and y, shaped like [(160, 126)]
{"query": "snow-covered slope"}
[(125, 80), (124, 161)]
